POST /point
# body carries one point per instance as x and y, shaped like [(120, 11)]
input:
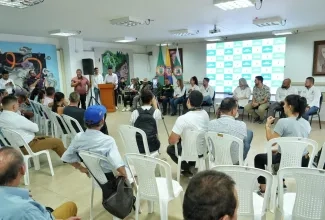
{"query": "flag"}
[(168, 66), (160, 63), (177, 65)]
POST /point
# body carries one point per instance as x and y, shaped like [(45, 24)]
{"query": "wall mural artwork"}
[(20, 58), (120, 63)]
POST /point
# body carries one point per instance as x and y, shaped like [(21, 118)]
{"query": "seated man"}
[(77, 113), (15, 202), (11, 120), (49, 96), (24, 107), (227, 124), (312, 94), (210, 195), (166, 94), (281, 93), (144, 86), (207, 91), (145, 119), (7, 83), (196, 119), (261, 99), (95, 141)]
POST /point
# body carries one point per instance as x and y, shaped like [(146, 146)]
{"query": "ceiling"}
[(92, 18)]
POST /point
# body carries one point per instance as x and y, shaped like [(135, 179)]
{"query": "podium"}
[(107, 96)]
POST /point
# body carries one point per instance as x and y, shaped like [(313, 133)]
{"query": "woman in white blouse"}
[(194, 85), (178, 97), (242, 93)]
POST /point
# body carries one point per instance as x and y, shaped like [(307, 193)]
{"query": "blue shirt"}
[(15, 203), (96, 142)]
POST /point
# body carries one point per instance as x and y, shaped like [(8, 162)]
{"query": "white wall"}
[(29, 39)]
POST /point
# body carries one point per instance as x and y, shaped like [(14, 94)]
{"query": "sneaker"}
[(193, 170), (186, 173), (116, 107), (124, 109), (128, 109), (257, 119)]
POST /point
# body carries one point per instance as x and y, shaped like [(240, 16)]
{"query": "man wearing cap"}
[(144, 86), (81, 85), (93, 140), (111, 78)]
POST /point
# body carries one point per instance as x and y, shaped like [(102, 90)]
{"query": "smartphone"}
[(154, 83)]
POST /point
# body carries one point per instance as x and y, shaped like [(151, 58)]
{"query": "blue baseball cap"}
[(94, 114)]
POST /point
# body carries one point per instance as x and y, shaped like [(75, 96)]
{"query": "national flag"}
[(178, 71), (168, 66), (160, 63)]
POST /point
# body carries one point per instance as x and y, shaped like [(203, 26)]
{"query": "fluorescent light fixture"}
[(163, 44), (184, 32), (127, 21), (124, 39), (214, 39), (20, 3), (233, 4), (284, 32), (64, 33), (266, 22)]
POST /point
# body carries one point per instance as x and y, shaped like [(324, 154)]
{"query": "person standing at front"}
[(98, 79), (112, 78), (260, 102), (81, 86)]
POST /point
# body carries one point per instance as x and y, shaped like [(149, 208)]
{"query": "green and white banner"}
[(227, 62)]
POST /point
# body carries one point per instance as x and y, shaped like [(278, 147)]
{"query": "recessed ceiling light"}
[(233, 4), (284, 32), (127, 21), (124, 39), (184, 32), (20, 3), (163, 44), (64, 33), (214, 39)]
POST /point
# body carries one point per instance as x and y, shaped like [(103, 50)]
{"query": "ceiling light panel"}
[(266, 22), (127, 21), (233, 4), (281, 33), (214, 39), (64, 33), (124, 39), (183, 32)]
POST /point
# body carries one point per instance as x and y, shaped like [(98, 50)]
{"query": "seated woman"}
[(292, 126), (130, 93), (178, 97), (58, 103), (242, 93), (194, 85)]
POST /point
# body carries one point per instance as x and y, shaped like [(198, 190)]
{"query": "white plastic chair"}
[(128, 135), (48, 121), (59, 131), (292, 150), (156, 189), (69, 121), (321, 160), (16, 141), (251, 205), (308, 203), (193, 145), (219, 146), (37, 114), (92, 162)]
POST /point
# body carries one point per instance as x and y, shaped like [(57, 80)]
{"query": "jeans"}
[(207, 99), (311, 111), (97, 94), (247, 142), (171, 152), (164, 104), (174, 102), (82, 101)]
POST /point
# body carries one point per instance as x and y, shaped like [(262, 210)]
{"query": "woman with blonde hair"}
[(242, 93), (178, 96)]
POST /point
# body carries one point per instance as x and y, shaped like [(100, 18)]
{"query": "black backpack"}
[(148, 124)]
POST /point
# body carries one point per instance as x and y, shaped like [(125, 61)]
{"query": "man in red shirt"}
[(81, 86)]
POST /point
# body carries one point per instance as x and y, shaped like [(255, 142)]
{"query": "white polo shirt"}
[(47, 101), (8, 88), (281, 93), (312, 95), (97, 79), (242, 95), (208, 91), (112, 79), (12, 120), (192, 88)]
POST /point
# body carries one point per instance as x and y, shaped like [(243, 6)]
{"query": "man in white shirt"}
[(11, 120), (281, 93), (207, 91), (112, 78), (146, 118), (50, 92), (196, 119), (312, 94), (97, 79), (7, 83)]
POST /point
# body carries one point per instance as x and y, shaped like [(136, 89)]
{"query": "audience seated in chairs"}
[(95, 141), (25, 107), (77, 113), (281, 93), (166, 94), (11, 120), (145, 118), (292, 126), (194, 86), (130, 93), (312, 94), (227, 124), (58, 103), (207, 91), (260, 102), (144, 86), (121, 87), (178, 97), (242, 93), (17, 203), (210, 195), (196, 119), (49, 97)]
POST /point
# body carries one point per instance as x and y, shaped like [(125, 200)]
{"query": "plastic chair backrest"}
[(145, 167), (128, 135), (245, 179), (16, 140), (69, 121), (47, 112), (321, 160), (193, 144), (33, 106), (309, 203), (57, 119), (292, 150), (220, 147)]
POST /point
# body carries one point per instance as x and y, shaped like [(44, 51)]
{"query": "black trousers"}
[(260, 161), (128, 98), (116, 95), (171, 152), (82, 101)]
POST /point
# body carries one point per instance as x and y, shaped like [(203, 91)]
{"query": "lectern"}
[(107, 96)]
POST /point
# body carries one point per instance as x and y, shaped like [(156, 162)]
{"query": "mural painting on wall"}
[(19, 58), (120, 63)]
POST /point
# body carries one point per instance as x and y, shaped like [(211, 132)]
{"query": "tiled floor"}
[(70, 185)]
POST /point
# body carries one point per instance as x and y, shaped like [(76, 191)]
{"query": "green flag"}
[(160, 63), (178, 71)]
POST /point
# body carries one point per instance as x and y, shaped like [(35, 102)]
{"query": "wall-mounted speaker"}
[(88, 66)]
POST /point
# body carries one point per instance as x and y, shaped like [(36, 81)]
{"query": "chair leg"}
[(36, 162), (26, 176), (311, 119), (273, 194), (137, 206), (92, 199), (151, 205), (179, 168), (320, 124), (163, 210), (50, 162)]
